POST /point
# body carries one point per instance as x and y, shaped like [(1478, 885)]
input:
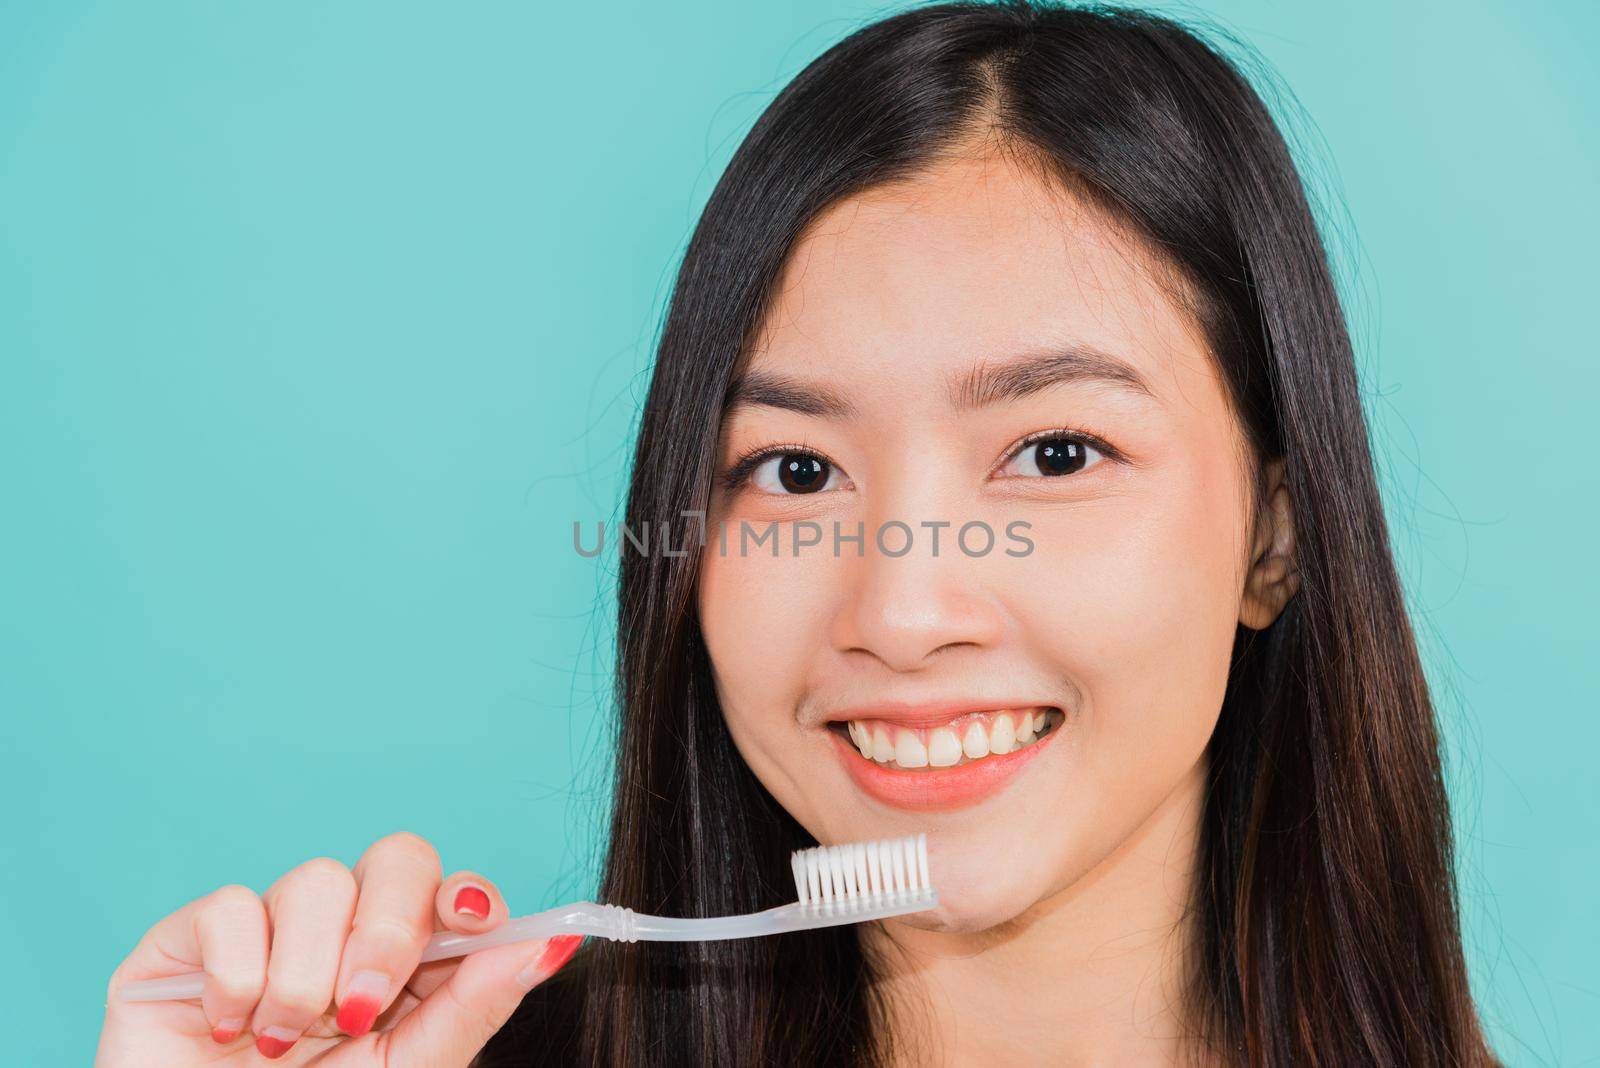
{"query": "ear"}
[(1273, 576)]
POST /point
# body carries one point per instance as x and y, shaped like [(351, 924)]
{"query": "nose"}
[(902, 610)]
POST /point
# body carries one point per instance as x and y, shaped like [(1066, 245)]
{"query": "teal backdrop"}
[(321, 323)]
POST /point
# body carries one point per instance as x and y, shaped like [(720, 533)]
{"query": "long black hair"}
[(1326, 903)]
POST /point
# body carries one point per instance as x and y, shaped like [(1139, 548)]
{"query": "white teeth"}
[(909, 752), (882, 747), (976, 741), (858, 736), (944, 749), (1002, 735), (1025, 730), (993, 734)]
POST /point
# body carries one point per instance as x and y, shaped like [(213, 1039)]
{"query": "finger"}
[(454, 1022), (469, 904), (310, 908), (231, 928), (424, 981), (223, 934), (399, 879), (458, 905), (403, 1003)]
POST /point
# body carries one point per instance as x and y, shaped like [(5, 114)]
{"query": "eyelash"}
[(1081, 437), (739, 472)]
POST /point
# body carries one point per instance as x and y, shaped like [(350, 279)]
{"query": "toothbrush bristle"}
[(861, 871)]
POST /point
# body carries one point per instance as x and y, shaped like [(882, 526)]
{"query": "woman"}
[(1043, 282)]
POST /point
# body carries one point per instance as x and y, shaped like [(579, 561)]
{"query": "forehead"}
[(974, 259)]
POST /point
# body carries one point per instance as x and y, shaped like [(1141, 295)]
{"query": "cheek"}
[(1132, 600), (764, 620)]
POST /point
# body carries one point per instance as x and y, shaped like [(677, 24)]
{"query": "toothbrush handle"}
[(615, 923), (584, 918)]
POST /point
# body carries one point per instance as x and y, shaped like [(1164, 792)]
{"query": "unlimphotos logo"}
[(894, 538)]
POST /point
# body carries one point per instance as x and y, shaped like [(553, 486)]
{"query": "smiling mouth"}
[(971, 738)]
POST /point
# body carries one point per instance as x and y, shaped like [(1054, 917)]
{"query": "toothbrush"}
[(849, 883)]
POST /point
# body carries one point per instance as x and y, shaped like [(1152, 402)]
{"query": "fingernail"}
[(556, 953), (227, 1030), (274, 1042), (472, 901), (362, 1000)]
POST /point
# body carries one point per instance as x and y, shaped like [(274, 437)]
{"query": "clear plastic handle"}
[(619, 925), (583, 918)]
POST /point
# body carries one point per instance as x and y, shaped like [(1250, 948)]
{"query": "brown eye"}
[(1058, 456), (802, 474), (1052, 457), (793, 473)]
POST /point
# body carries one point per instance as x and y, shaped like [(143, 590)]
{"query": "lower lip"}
[(936, 789)]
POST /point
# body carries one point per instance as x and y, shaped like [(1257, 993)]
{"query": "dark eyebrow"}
[(1023, 375), (772, 390), (987, 383)]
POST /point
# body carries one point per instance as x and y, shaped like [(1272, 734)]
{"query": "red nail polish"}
[(357, 1015), (557, 953), (473, 900), (272, 1047), (362, 1000), (223, 1035)]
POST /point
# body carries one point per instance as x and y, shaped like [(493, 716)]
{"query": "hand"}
[(323, 968)]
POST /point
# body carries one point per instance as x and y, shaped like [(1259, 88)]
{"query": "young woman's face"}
[(974, 347)]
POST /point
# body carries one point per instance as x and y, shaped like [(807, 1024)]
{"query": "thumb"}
[(457, 1020)]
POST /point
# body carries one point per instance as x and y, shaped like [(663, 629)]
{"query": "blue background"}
[(320, 324)]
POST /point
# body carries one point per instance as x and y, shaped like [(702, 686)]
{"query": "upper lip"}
[(931, 713)]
